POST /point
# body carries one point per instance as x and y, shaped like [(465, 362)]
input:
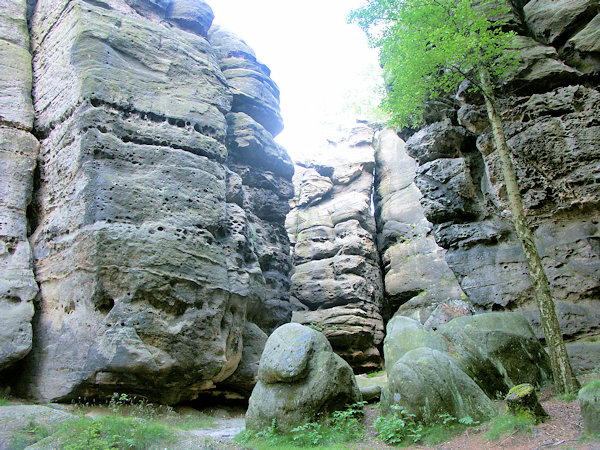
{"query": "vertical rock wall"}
[(550, 107), (158, 218), (337, 277), (18, 153), (418, 281)]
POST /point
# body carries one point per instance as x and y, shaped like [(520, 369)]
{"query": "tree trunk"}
[(564, 378)]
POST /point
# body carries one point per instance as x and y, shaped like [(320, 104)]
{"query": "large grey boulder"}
[(300, 380), (429, 383), (498, 351), (403, 335), (337, 277)]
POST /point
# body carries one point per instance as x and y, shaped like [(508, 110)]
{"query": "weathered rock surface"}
[(403, 335), (18, 153), (158, 221), (428, 383), (498, 351), (549, 106), (336, 265), (417, 277), (300, 378), (18, 420)]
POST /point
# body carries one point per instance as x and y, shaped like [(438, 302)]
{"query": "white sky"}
[(315, 57)]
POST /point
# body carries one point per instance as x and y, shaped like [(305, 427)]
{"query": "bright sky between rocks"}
[(321, 64)]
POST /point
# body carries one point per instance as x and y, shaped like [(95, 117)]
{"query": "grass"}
[(331, 433), (567, 397), (4, 402), (30, 435), (507, 423), (112, 432), (375, 374)]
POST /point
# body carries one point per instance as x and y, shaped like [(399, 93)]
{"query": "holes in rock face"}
[(12, 299), (160, 228), (95, 102), (105, 305)]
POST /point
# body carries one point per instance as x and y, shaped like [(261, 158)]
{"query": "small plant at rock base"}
[(523, 421), (341, 426), (403, 428), (398, 427), (4, 402)]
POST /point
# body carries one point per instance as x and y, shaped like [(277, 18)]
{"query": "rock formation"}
[(18, 153), (300, 380), (157, 222), (337, 278), (549, 105), (417, 277)]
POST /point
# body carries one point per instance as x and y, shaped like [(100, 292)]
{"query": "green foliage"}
[(403, 428), (317, 326), (4, 402), (399, 427), (341, 426), (375, 374), (112, 432), (428, 47), (523, 421)]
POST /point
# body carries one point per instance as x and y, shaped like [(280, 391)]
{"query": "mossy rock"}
[(498, 350), (523, 398), (300, 380), (589, 400), (429, 383), (404, 334)]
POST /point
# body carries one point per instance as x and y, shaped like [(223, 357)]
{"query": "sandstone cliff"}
[(337, 277), (550, 107), (157, 220)]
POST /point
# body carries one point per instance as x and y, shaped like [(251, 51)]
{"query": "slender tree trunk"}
[(564, 378)]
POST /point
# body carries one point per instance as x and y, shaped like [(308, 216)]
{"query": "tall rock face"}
[(337, 277), (18, 153), (418, 281), (158, 215), (550, 105)]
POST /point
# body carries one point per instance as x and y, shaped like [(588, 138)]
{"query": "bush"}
[(403, 428), (341, 426)]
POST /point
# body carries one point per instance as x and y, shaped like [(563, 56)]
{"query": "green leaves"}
[(428, 47)]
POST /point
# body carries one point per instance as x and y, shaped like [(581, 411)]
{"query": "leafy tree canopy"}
[(428, 47)]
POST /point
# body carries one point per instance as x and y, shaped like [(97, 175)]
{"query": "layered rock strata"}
[(549, 105), (18, 153), (158, 220), (417, 278), (337, 277)]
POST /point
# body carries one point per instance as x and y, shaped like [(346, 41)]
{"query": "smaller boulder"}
[(589, 400), (405, 334), (429, 383), (300, 380)]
